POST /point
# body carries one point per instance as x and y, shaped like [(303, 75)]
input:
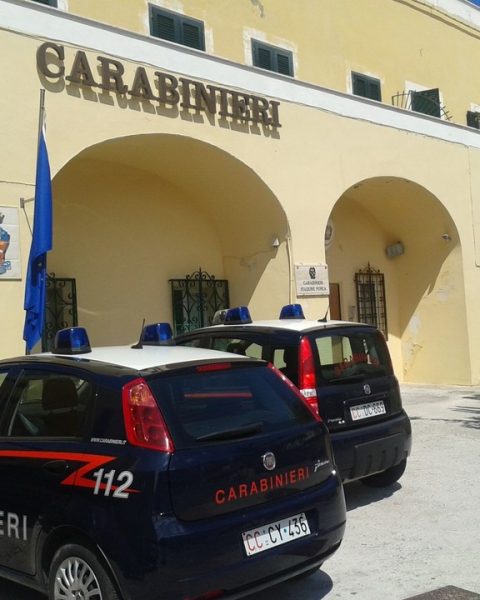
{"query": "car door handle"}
[(56, 467)]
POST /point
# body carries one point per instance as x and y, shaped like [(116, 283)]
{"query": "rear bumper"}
[(194, 558), (372, 448)]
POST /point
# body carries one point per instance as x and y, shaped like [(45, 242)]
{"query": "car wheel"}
[(76, 572), (386, 478)]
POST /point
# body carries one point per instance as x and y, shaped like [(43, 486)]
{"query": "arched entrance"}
[(133, 213), (397, 229)]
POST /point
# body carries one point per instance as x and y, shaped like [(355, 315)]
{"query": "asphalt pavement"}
[(419, 539)]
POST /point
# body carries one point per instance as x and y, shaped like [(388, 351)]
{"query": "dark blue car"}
[(345, 374), (159, 472)]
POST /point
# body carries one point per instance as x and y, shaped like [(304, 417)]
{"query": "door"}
[(41, 438)]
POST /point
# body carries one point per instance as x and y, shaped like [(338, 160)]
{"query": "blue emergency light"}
[(157, 334), (292, 311), (72, 340), (232, 316), (237, 316)]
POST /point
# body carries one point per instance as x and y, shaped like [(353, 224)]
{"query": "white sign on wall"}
[(9, 243), (312, 280)]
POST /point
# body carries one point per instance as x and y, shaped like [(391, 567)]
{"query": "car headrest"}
[(59, 392)]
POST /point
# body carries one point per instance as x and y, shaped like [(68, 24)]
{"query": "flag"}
[(41, 243)]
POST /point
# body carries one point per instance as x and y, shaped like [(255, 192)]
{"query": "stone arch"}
[(425, 294)]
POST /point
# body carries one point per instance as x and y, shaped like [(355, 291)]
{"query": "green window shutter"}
[(272, 58), (264, 58), (367, 87), (359, 86), (164, 27), (284, 64), (192, 35), (177, 28), (473, 119), (427, 102)]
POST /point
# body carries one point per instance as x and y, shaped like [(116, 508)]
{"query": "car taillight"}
[(294, 388), (144, 423), (307, 379)]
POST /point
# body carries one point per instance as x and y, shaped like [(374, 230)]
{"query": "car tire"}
[(386, 478), (75, 568)]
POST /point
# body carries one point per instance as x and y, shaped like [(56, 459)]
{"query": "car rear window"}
[(344, 356), (226, 404)]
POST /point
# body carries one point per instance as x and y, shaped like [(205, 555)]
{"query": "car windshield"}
[(352, 355), (202, 406)]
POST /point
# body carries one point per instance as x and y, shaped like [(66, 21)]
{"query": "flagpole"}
[(41, 112)]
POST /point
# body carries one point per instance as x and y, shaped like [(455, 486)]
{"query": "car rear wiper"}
[(227, 434)]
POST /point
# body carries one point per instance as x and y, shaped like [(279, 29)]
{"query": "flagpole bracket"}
[(23, 202)]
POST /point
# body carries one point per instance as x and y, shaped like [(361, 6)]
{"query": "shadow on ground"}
[(314, 587), (357, 494)]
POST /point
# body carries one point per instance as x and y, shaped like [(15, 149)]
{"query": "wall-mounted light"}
[(275, 242), (395, 250)]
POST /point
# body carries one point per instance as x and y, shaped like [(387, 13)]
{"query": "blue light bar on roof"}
[(292, 311), (237, 316), (157, 334), (73, 340)]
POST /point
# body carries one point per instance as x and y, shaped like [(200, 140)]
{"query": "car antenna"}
[(324, 320), (139, 344)]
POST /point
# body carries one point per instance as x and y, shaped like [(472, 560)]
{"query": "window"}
[(196, 299), (237, 346), (473, 119), (272, 58), (177, 28), (371, 304), (47, 2), (351, 354), (205, 406), (49, 405), (3, 375), (367, 87), (427, 102)]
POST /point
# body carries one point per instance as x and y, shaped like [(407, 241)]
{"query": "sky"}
[(477, 2)]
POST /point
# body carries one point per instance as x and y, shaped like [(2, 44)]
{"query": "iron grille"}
[(60, 308), (196, 298), (371, 304), (421, 102)]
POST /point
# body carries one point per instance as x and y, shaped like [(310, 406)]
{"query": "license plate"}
[(363, 411), (275, 534)]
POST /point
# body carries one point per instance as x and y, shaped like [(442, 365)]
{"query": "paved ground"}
[(421, 535)]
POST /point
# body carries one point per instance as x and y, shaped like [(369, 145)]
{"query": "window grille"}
[(370, 285), (196, 298)]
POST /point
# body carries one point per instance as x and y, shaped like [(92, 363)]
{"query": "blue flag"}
[(41, 243)]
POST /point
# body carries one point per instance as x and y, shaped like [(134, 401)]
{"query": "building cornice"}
[(45, 23)]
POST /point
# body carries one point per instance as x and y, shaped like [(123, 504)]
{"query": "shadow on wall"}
[(424, 285), (129, 216)]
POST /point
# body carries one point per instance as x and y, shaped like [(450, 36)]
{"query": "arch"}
[(131, 213), (425, 291)]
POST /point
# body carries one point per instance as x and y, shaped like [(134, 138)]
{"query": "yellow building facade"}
[(349, 153)]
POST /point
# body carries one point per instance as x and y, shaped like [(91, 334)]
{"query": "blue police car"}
[(158, 471), (345, 374)]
